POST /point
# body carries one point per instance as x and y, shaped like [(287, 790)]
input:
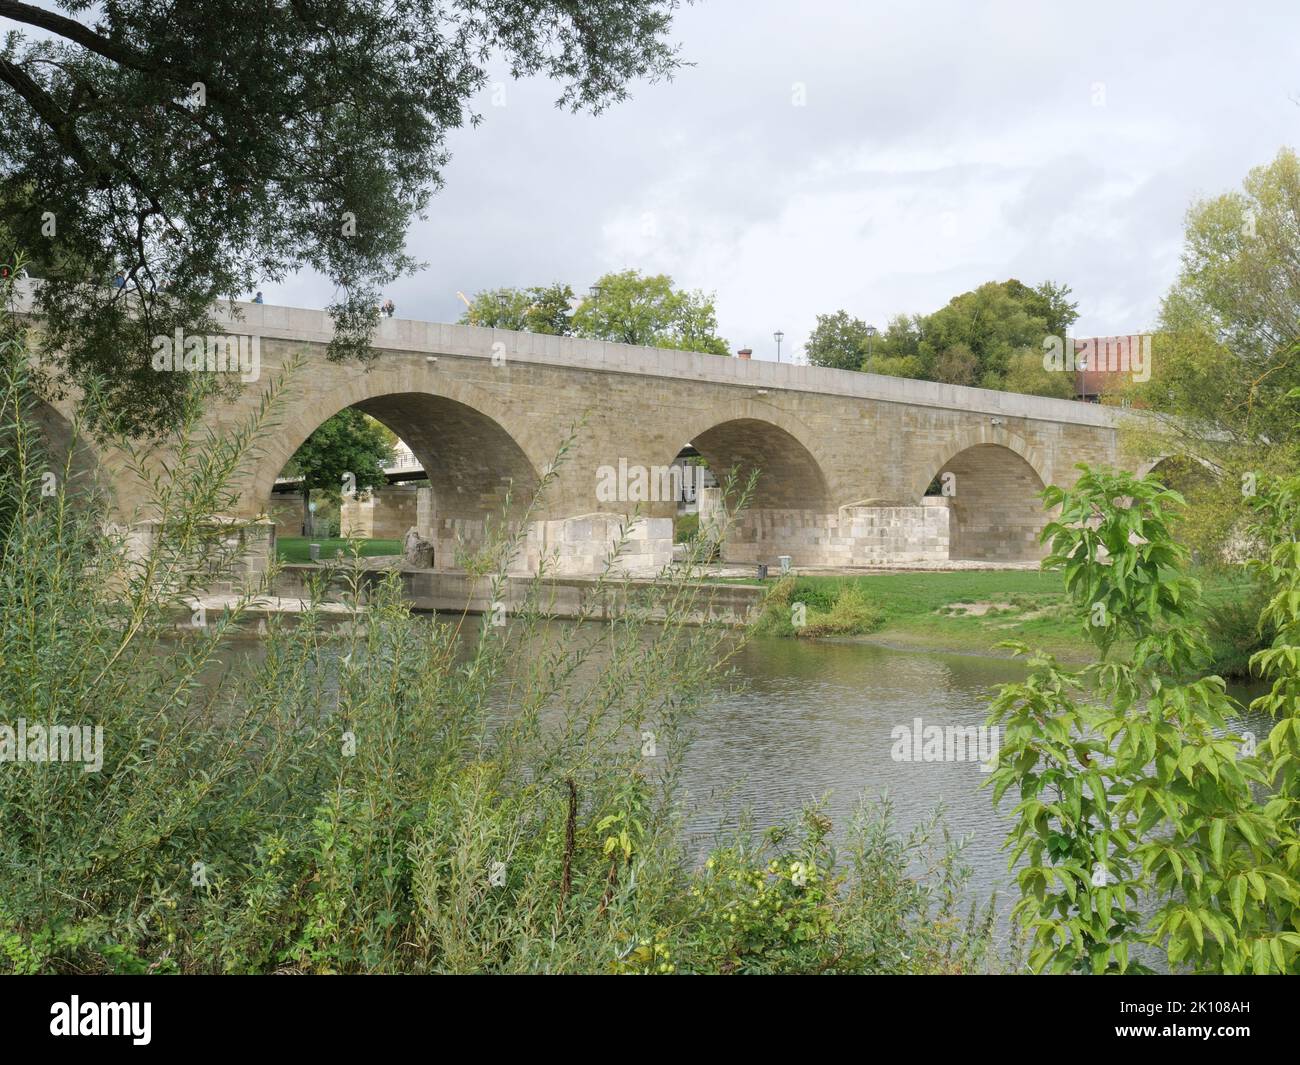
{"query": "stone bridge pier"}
[(565, 440)]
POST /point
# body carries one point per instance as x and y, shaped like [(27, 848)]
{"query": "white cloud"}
[(941, 145)]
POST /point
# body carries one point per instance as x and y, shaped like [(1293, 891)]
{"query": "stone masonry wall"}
[(855, 536), (996, 511), (382, 513)]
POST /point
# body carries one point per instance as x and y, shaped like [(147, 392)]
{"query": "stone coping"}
[(399, 335), (406, 336)]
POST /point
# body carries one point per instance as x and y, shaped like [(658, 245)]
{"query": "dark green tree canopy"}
[(977, 336), (991, 336), (348, 443), (838, 341), (309, 139)]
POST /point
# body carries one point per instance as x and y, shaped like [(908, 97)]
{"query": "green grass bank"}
[(298, 548), (965, 611)]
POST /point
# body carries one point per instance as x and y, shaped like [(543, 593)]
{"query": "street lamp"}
[(871, 335), (777, 336)]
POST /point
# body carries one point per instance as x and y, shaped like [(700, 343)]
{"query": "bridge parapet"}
[(476, 342)]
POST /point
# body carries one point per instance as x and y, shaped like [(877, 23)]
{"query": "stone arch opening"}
[(789, 476), (476, 477), (1185, 474), (70, 455), (995, 513), (786, 513)]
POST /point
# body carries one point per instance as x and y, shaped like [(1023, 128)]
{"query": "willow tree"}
[(158, 156)]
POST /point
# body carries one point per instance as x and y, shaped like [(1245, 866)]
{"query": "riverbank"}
[(960, 611), (963, 612)]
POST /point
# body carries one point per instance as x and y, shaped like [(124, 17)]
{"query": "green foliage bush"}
[(1236, 631), (787, 902), (844, 611), (1134, 792)]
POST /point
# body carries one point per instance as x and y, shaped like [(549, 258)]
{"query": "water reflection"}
[(815, 719)]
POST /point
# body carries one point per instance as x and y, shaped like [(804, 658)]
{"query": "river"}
[(817, 719)]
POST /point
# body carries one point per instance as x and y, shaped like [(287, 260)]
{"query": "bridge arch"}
[(463, 424), (938, 457), (478, 471), (750, 436), (990, 482), (70, 452), (1178, 467), (787, 513)]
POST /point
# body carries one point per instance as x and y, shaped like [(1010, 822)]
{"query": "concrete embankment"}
[(565, 598)]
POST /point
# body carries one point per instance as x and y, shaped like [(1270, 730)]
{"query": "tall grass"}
[(392, 793), (796, 607)]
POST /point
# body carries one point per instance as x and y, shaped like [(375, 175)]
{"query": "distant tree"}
[(309, 138), (631, 308), (955, 365), (1048, 301), (1026, 374), (978, 338), (347, 450), (901, 339), (838, 341), (896, 365), (1228, 351), (986, 325), (539, 309)]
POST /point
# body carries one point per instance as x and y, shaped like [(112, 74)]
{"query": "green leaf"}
[(1237, 893), (1217, 830)]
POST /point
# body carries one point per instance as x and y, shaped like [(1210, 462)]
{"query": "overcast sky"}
[(877, 157)]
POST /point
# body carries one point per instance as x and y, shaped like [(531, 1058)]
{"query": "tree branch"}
[(48, 111), (74, 31)]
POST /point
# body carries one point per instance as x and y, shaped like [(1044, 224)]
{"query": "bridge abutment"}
[(585, 544), (227, 554), (862, 534)]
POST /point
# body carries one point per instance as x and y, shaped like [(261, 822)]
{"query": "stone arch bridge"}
[(844, 459)]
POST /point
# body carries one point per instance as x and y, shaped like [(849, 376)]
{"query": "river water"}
[(817, 719)]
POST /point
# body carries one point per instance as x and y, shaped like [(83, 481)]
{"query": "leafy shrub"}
[(787, 902), (1132, 789), (852, 615), (826, 611)]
